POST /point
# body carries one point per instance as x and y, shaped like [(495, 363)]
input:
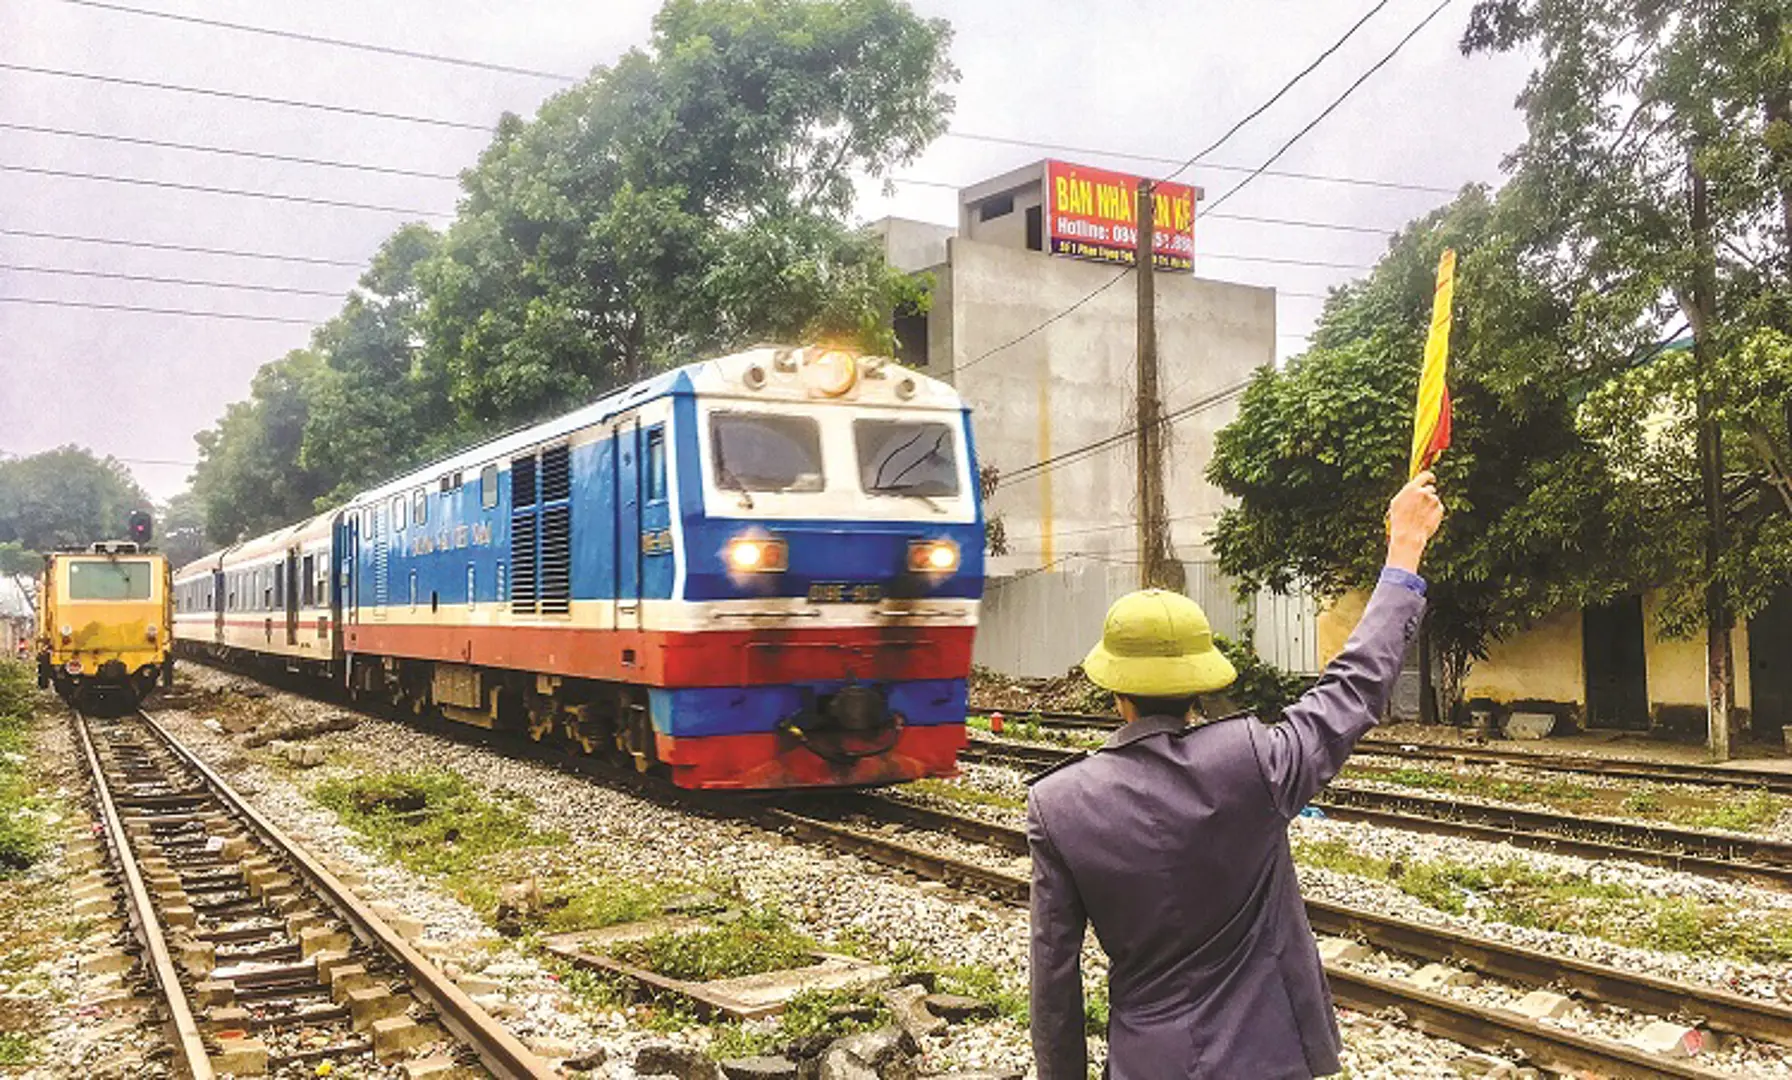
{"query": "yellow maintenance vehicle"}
[(106, 621)]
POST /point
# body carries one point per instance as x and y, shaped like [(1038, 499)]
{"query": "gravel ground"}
[(83, 1029), (831, 898)]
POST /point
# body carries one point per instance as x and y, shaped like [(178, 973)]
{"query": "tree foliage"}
[(67, 497), (1656, 189), (692, 198), (1318, 448)]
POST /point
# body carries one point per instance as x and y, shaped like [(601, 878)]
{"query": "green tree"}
[(1318, 448), (66, 497), (690, 198), (180, 529), (250, 476), (375, 408), (1657, 176)]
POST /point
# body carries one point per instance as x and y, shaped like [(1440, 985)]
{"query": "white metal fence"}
[(1041, 624)]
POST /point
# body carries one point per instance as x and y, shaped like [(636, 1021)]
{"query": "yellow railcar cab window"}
[(115, 579)]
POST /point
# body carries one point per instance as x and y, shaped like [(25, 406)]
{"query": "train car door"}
[(292, 596), (350, 577), (628, 524), (218, 606)]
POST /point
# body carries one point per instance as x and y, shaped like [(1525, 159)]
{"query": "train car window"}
[(117, 579), (279, 589), (488, 487), (419, 507), (656, 464), (397, 512), (906, 457), (307, 591), (765, 452), (267, 588)]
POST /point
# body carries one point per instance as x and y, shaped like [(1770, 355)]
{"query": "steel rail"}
[(188, 1043), (1668, 772), (1763, 862), (1719, 1009), (500, 1051), (1739, 858)]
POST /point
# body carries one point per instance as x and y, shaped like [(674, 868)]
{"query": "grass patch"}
[(970, 796), (432, 821), (750, 944), (22, 839), (602, 992), (1032, 728), (1520, 894), (1759, 810), (811, 1016), (17, 1049), (1480, 785)]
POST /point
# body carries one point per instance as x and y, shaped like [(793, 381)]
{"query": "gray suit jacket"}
[(1173, 842)]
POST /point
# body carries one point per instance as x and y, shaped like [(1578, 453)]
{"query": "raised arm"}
[(1060, 1050), (1301, 754)]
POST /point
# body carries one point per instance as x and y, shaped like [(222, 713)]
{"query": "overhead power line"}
[(144, 181), (154, 280), (1279, 94), (1068, 457), (242, 316), (232, 95), (1327, 178), (341, 43), (1336, 102), (152, 245), (229, 151)]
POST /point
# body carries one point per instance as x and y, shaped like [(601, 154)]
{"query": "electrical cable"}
[(293, 35), (154, 280), (357, 166), (107, 178), (1070, 456), (233, 95), (48, 302), (152, 245), (1338, 101)]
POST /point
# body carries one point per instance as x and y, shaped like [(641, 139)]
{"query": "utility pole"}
[(1157, 568)]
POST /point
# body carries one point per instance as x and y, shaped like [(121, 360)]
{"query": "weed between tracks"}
[(1693, 810), (21, 828), (1519, 894), (433, 822)]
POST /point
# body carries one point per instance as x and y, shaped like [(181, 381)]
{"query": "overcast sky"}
[(1156, 77)]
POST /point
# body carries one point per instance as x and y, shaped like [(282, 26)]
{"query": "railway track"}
[(265, 962), (1723, 855), (1438, 1014), (1666, 772)]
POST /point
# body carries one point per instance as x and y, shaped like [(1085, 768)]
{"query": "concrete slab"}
[(1544, 1005), (1665, 1038), (1334, 950)]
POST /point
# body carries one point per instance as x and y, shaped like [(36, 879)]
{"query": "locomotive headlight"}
[(73, 667), (757, 555), (831, 372), (932, 556)]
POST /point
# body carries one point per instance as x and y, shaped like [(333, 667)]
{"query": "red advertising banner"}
[(1093, 214)]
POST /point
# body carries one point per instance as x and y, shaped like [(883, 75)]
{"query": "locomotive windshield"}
[(765, 452), (119, 579), (904, 457)]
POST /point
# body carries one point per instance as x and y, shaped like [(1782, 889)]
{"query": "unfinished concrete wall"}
[(1071, 385)]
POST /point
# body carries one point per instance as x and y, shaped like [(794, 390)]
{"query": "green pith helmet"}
[(1158, 644)]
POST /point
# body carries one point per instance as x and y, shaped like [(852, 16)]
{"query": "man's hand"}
[(1413, 518)]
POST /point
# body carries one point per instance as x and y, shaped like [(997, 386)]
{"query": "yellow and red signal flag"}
[(1431, 419)]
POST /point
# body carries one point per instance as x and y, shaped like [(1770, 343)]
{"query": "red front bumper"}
[(769, 761)]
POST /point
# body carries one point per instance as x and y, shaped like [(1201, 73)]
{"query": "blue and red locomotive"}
[(755, 572)]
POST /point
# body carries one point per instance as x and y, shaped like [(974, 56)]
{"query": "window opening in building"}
[(1000, 206)]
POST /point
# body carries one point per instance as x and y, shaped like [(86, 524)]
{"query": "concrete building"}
[(1043, 347), (1614, 668)]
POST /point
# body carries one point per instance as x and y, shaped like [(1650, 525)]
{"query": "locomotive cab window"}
[(765, 452), (656, 464), (903, 457), (488, 487)]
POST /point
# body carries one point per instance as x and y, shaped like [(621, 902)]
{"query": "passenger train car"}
[(755, 572), (104, 624)]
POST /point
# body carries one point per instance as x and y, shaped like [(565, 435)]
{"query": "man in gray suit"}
[(1172, 840)]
